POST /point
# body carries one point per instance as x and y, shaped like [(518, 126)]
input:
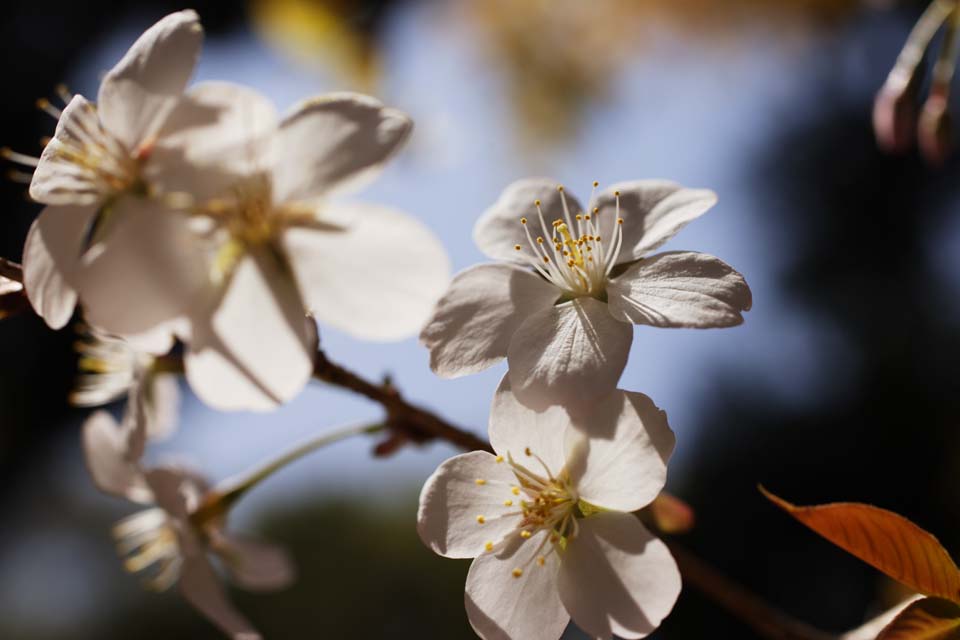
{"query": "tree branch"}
[(404, 419), (768, 622)]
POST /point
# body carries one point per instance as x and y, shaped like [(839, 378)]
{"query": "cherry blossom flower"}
[(111, 368), (92, 176), (280, 249), (548, 520), (560, 305), (169, 542)]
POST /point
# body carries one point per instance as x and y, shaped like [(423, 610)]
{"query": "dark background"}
[(860, 226)]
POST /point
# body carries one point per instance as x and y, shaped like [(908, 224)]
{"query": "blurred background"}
[(842, 385)]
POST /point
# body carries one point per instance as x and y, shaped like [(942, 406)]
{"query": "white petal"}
[(157, 341), (146, 269), (473, 322), (162, 404), (105, 447), (255, 565), (138, 93), (58, 178), (681, 289), (217, 134), (872, 628), (452, 501), (50, 259), (514, 428), (503, 607), (571, 354), (255, 352), (624, 460), (499, 230), (653, 211), (337, 140), (616, 578), (377, 279), (201, 588)]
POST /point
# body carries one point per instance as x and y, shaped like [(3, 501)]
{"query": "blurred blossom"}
[(325, 34), (559, 57)]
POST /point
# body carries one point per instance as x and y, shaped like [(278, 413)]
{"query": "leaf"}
[(927, 619), (884, 540)]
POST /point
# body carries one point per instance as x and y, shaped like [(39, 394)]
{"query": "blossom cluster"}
[(192, 220), (549, 515)]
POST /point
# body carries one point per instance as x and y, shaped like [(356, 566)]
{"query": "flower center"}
[(545, 502), (571, 253), (148, 545)]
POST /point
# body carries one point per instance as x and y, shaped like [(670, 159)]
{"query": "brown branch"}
[(11, 270), (768, 622), (404, 419)]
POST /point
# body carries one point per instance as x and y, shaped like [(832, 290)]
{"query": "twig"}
[(405, 419), (11, 270), (768, 622)]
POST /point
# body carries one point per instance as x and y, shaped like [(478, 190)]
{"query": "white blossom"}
[(572, 281), (280, 249), (112, 368), (547, 519), (93, 177), (168, 543)]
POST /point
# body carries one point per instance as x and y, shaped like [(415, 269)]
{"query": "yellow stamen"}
[(481, 519), (571, 243), (517, 573)]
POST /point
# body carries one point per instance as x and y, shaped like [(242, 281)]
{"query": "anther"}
[(619, 220), (515, 491), (596, 210), (616, 194), (480, 481), (560, 188), (508, 503), (516, 247), (536, 203), (499, 458), (541, 560), (517, 573), (526, 450), (539, 240), (488, 546), (595, 184), (525, 534), (523, 221), (481, 519)]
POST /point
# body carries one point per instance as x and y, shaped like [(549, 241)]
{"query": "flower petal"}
[(105, 447), (255, 351), (138, 93), (50, 257), (159, 395), (473, 322), (460, 492), (59, 179), (499, 230), (201, 588), (516, 428), (501, 606), (653, 211), (332, 141), (571, 354), (624, 459), (255, 565), (146, 269), (616, 578), (377, 279), (218, 133), (680, 289)]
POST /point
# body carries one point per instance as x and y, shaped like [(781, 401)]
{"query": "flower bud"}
[(895, 111), (935, 130)]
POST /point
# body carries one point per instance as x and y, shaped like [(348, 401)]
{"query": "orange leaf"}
[(884, 540), (927, 619)]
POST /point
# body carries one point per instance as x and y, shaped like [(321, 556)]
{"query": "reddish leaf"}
[(885, 540), (927, 619)]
